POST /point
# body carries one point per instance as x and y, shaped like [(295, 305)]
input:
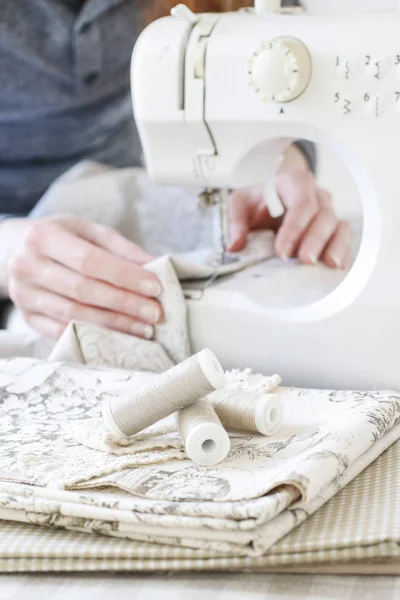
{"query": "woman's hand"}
[(309, 229), (69, 269)]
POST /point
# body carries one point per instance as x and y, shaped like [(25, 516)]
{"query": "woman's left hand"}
[(309, 229)]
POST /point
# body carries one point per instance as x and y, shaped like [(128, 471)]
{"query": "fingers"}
[(317, 236), (70, 269), (239, 220), (298, 193), (311, 229), (91, 261), (46, 274), (338, 251), (53, 313), (248, 211)]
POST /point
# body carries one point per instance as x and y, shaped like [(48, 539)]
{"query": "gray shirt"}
[(65, 92)]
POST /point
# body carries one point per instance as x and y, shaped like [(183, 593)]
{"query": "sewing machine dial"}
[(280, 69)]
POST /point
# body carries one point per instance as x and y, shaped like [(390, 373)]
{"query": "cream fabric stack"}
[(358, 531)]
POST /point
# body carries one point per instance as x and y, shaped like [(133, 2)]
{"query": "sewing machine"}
[(217, 99)]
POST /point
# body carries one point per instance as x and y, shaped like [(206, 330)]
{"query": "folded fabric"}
[(347, 535)]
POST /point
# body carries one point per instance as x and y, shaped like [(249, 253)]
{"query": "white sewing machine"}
[(217, 97)]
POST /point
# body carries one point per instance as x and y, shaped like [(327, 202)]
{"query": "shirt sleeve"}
[(309, 150)]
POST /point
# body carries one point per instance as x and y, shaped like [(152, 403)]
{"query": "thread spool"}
[(169, 392), (249, 411), (206, 441)]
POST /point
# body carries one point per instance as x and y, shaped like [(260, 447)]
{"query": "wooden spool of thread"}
[(206, 441), (169, 392), (248, 410)]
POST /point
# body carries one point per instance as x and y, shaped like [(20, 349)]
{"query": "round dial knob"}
[(280, 70)]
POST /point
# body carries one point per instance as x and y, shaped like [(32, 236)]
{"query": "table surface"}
[(198, 587)]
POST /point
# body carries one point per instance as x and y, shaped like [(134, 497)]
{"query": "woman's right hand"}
[(68, 269)]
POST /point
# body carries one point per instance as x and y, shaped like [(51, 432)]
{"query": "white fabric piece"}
[(172, 332)]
